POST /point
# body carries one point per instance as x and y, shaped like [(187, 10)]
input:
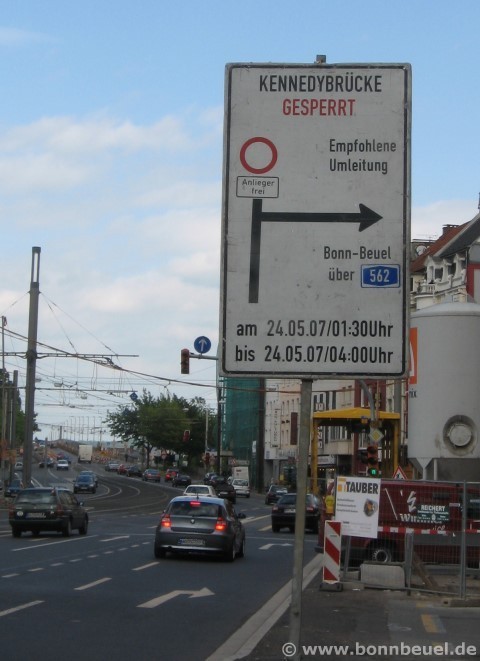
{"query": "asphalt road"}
[(105, 595)]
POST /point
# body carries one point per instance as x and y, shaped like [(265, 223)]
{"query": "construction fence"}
[(428, 539)]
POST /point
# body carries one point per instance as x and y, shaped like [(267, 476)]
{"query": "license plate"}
[(290, 511), (35, 515), (191, 542)]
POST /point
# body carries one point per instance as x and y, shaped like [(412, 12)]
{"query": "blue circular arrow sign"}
[(202, 344)]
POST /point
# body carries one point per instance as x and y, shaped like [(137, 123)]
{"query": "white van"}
[(242, 488)]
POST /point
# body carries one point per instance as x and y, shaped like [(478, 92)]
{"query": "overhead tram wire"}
[(107, 362)]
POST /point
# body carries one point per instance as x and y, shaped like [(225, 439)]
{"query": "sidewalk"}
[(323, 619), (338, 621), (262, 636)]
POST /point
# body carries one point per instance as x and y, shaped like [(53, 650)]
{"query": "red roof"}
[(418, 264)]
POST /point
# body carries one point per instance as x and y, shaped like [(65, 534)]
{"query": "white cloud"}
[(96, 134), (16, 37), (428, 220)]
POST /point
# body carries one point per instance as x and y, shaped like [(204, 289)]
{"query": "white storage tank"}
[(444, 391)]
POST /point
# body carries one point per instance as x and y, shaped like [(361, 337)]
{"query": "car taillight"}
[(310, 509), (221, 524), (165, 521)]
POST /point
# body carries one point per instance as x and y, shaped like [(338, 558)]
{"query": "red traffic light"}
[(372, 460), (186, 435), (185, 361)]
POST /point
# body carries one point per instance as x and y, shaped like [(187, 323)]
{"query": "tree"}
[(12, 396), (160, 422)]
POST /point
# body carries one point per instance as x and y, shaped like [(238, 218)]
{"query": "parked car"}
[(12, 488), (151, 475), (170, 474), (84, 482), (200, 525), (94, 475), (134, 471), (197, 490), (18, 466), (47, 509), (112, 466), (283, 512), (274, 492), (208, 477), (224, 489), (242, 488), (62, 465), (181, 480), (62, 455)]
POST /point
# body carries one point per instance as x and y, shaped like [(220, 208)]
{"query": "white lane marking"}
[(153, 603), (87, 586), (81, 538), (9, 611), (256, 518), (246, 638), (150, 564)]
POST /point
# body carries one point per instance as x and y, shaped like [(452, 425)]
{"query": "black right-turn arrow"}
[(365, 217)]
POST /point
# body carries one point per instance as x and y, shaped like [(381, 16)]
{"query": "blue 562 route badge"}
[(316, 220)]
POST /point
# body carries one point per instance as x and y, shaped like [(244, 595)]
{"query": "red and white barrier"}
[(332, 551), (402, 530)]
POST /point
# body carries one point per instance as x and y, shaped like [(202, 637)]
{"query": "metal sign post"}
[(300, 507)]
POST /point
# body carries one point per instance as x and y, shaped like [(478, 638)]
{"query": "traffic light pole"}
[(372, 449), (185, 355)]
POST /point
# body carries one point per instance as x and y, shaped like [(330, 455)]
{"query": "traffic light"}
[(372, 460), (185, 361), (186, 435)]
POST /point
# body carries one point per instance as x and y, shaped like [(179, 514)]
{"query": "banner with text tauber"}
[(316, 220), (357, 503)]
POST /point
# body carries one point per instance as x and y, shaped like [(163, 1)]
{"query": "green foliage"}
[(159, 422), (20, 415)]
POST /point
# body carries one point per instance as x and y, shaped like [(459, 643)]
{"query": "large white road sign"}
[(316, 220)]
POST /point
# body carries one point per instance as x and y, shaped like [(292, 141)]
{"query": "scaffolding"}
[(242, 418)]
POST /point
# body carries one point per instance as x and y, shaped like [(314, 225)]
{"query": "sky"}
[(111, 134)]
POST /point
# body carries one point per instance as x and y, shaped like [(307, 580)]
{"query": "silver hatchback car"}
[(199, 524)]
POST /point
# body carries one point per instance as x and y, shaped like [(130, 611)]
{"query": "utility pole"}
[(13, 417), (31, 366), (3, 436)]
